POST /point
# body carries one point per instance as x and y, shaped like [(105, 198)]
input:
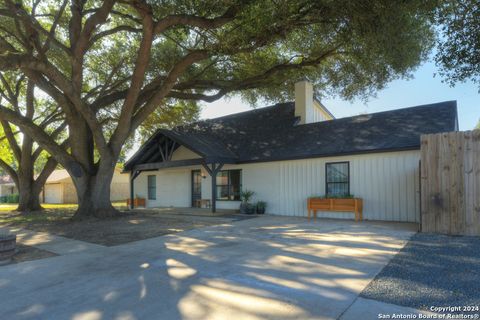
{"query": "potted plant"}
[(246, 207), (8, 246), (261, 205)]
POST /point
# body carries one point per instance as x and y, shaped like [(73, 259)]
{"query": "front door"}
[(196, 187)]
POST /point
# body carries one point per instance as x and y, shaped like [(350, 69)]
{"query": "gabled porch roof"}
[(157, 152)]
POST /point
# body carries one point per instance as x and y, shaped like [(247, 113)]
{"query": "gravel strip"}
[(431, 270)]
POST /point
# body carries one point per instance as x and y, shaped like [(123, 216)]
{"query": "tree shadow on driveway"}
[(262, 268)]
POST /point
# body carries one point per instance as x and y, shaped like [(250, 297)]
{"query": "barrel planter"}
[(7, 247)]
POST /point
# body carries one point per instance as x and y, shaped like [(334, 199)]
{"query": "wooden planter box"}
[(354, 205), (137, 202)]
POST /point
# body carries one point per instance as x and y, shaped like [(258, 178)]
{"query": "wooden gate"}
[(450, 183)]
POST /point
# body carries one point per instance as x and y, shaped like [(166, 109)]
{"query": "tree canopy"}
[(110, 65), (458, 53)]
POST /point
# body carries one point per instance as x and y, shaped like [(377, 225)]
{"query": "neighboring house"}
[(7, 186), (289, 152), (59, 188)]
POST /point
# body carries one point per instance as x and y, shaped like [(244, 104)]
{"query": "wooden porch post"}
[(213, 171), (133, 175), (214, 190)]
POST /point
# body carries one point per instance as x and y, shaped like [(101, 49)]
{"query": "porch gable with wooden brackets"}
[(159, 155)]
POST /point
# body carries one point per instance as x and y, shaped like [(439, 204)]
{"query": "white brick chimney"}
[(304, 101), (307, 108)]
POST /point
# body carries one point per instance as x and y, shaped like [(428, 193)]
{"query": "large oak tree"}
[(111, 64), (20, 157)]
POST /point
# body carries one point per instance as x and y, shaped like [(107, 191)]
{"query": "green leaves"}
[(255, 48), (170, 116), (458, 52), (5, 152)]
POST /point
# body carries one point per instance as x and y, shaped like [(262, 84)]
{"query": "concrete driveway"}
[(264, 268)]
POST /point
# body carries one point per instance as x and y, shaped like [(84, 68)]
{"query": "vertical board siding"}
[(387, 182), (450, 174), (173, 188)]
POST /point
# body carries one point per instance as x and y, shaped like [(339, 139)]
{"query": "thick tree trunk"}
[(93, 194), (29, 196)]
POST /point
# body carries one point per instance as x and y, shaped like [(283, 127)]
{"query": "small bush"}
[(247, 195), (11, 198), (261, 204), (337, 196)]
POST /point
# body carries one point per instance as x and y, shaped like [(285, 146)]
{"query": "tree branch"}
[(11, 140), (53, 28), (141, 64), (105, 33), (99, 17), (53, 135), (43, 139), (19, 13), (46, 171), (167, 85), (195, 21)]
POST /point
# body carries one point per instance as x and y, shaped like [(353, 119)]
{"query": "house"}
[(7, 186), (59, 187), (289, 152)]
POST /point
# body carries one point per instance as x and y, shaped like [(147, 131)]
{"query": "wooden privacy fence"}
[(450, 183)]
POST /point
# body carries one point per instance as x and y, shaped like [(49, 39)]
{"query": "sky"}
[(423, 88)]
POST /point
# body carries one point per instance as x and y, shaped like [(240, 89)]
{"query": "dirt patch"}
[(127, 227), (28, 253)]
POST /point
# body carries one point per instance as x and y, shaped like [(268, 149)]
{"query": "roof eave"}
[(335, 154)]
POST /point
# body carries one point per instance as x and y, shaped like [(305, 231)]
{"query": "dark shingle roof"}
[(271, 133)]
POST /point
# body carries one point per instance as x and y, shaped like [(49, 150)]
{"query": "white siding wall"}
[(319, 114), (387, 182), (173, 188), (183, 153)]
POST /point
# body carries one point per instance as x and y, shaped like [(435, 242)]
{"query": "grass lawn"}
[(12, 206), (52, 212), (126, 227)]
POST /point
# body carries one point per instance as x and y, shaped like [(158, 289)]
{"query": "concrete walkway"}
[(264, 268), (52, 243)]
